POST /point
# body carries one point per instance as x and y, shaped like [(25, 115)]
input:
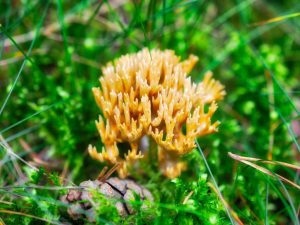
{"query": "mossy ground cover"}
[(51, 53)]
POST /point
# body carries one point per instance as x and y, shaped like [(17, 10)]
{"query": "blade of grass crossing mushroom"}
[(164, 15), (25, 60), (115, 15), (214, 181), (141, 22)]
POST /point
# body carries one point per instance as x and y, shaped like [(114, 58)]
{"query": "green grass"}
[(51, 53)]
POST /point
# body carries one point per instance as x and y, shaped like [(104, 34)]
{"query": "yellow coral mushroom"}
[(149, 93)]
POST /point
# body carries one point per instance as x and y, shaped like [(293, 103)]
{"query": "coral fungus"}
[(149, 93)]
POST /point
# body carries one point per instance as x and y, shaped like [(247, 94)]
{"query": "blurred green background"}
[(51, 53)]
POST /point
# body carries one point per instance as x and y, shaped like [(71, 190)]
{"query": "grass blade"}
[(214, 181), (25, 60)]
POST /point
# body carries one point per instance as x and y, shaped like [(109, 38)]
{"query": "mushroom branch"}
[(149, 93)]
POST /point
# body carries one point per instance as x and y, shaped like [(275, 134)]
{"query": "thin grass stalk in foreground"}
[(245, 160), (277, 110), (215, 183), (228, 14), (234, 214), (238, 157), (95, 13), (290, 130), (38, 199), (61, 16), (51, 188), (290, 201), (28, 215), (30, 116), (229, 49), (21, 133), (278, 177), (275, 81), (25, 60), (11, 153), (276, 19), (267, 202)]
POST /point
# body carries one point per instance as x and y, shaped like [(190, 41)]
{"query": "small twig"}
[(104, 176), (102, 173), (187, 197)]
